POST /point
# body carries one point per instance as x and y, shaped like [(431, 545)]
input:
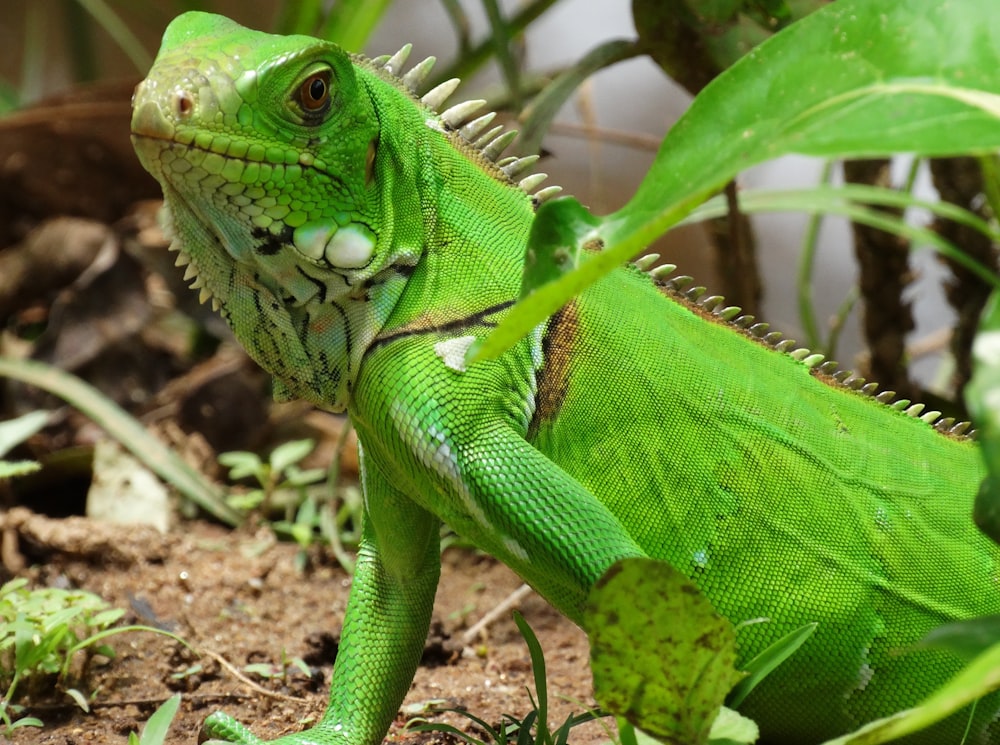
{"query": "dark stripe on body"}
[(476, 319), (553, 376), (320, 284)]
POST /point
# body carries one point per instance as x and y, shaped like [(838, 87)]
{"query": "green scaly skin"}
[(356, 243)]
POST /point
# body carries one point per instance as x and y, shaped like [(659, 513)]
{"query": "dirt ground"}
[(237, 596)]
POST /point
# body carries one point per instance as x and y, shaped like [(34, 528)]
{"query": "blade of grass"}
[(476, 57), (851, 201), (538, 670), (154, 731), (762, 665), (120, 33), (123, 427), (351, 22), (807, 256)]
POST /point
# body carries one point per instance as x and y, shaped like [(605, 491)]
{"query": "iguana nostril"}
[(184, 103)]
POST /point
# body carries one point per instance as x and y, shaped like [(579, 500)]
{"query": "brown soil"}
[(237, 596)]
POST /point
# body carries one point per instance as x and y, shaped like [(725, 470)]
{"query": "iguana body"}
[(356, 243)]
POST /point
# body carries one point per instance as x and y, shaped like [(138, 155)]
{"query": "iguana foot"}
[(222, 729)]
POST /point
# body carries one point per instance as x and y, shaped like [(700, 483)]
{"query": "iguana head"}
[(301, 184), (264, 146)]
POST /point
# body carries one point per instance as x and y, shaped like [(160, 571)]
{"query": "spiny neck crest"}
[(476, 137), (464, 121), (714, 307), (473, 129)]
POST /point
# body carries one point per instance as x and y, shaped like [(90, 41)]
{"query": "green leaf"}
[(732, 728), (79, 699), (761, 666), (290, 452), (58, 620), (555, 246), (303, 477), (15, 431), (982, 396), (12, 585), (27, 722), (856, 78), (967, 638), (661, 656), (246, 502), (242, 464), (154, 731), (264, 670), (106, 618)]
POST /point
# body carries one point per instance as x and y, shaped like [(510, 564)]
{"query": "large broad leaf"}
[(982, 396), (857, 78), (661, 656)]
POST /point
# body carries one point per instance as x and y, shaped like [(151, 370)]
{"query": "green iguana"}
[(358, 238)]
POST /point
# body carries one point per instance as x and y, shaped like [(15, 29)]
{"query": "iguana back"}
[(784, 495), (357, 243)]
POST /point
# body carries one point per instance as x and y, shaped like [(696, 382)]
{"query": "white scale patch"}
[(865, 675), (435, 453), (452, 351), (350, 247)]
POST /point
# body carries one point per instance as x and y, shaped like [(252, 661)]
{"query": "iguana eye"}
[(314, 93)]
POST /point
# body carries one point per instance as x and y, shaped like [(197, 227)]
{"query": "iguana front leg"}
[(385, 627)]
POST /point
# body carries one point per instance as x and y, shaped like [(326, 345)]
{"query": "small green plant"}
[(41, 632), (281, 481), (533, 729), (154, 731), (281, 670), (15, 431), (283, 485)]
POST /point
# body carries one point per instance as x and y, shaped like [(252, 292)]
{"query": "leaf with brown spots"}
[(661, 656)]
